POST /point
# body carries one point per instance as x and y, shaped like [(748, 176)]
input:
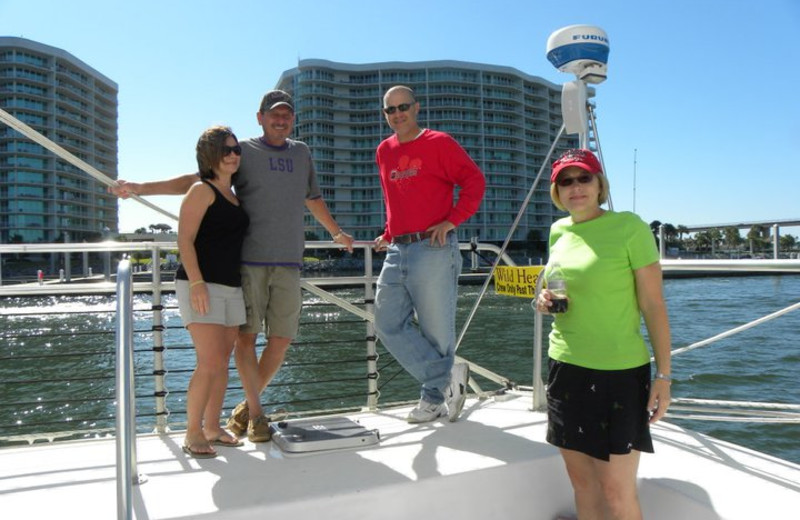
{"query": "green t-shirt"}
[(602, 326)]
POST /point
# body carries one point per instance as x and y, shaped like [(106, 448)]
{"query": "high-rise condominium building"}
[(505, 119), (42, 197)]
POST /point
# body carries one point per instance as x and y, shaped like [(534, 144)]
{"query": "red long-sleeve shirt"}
[(418, 180)]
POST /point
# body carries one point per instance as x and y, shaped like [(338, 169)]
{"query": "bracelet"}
[(196, 282), (337, 235), (663, 377)]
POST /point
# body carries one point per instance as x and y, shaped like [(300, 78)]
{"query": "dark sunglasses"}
[(403, 107), (226, 150), (584, 178)]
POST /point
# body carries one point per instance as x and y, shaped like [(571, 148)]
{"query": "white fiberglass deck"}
[(491, 464)]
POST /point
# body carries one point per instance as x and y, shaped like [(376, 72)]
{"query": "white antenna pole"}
[(634, 180)]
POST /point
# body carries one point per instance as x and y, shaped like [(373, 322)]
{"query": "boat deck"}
[(492, 463)]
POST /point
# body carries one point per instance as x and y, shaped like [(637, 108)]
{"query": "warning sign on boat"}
[(517, 281)]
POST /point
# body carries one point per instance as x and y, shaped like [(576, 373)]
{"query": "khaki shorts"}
[(273, 300), (226, 305)]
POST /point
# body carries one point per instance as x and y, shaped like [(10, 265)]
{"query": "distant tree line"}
[(679, 240), (154, 228), (727, 240)]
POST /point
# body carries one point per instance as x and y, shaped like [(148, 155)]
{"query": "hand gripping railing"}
[(126, 399)]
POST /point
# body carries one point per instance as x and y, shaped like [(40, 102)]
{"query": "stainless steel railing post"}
[(126, 400), (538, 351), (372, 351), (158, 345)]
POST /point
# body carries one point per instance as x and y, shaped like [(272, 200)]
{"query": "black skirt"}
[(598, 412)]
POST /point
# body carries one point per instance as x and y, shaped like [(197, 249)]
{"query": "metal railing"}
[(318, 287), (153, 323)]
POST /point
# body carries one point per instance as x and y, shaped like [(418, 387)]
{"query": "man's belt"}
[(410, 238)]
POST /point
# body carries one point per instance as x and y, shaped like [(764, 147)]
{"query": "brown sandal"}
[(187, 449)]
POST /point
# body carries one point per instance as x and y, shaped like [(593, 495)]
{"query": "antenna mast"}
[(634, 180)]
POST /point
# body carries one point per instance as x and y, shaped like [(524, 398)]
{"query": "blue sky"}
[(706, 91)]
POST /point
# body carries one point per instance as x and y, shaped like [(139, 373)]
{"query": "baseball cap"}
[(275, 98), (579, 157)]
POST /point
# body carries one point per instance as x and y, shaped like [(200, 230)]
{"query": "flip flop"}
[(219, 442), (187, 449)]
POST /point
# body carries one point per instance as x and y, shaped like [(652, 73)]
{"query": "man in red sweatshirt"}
[(419, 170)]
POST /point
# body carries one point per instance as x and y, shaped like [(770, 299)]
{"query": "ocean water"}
[(57, 367)]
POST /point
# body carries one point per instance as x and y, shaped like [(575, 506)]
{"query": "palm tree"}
[(670, 233), (654, 226), (160, 228), (787, 242), (702, 240), (689, 243), (757, 233), (732, 238), (681, 230), (758, 237), (716, 237)]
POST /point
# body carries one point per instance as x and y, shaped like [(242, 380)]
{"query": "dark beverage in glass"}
[(559, 305), (558, 291)]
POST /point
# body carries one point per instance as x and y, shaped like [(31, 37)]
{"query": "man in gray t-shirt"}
[(275, 182)]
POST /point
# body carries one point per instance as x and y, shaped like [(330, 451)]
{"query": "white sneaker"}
[(457, 390), (426, 412)]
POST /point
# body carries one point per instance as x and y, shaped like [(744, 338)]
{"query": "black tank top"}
[(219, 242)]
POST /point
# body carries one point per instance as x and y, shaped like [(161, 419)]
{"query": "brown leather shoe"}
[(258, 429), (240, 416)]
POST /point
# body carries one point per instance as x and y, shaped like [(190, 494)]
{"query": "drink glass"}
[(558, 289)]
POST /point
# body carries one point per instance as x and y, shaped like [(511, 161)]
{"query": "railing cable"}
[(735, 330)]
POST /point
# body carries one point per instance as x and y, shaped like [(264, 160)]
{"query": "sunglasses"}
[(584, 178), (403, 107), (227, 150)]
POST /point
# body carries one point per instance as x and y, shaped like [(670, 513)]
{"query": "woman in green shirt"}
[(601, 399)]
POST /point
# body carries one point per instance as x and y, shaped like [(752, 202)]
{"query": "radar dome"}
[(581, 50)]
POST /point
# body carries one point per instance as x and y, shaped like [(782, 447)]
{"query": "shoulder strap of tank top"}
[(216, 191)]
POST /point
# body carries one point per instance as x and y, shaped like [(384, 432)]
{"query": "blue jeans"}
[(420, 279)]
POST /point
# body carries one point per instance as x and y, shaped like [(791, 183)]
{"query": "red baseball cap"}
[(582, 158)]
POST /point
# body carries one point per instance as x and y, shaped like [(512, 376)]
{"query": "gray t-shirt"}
[(273, 185)]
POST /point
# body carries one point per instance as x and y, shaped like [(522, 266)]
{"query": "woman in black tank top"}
[(210, 233)]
